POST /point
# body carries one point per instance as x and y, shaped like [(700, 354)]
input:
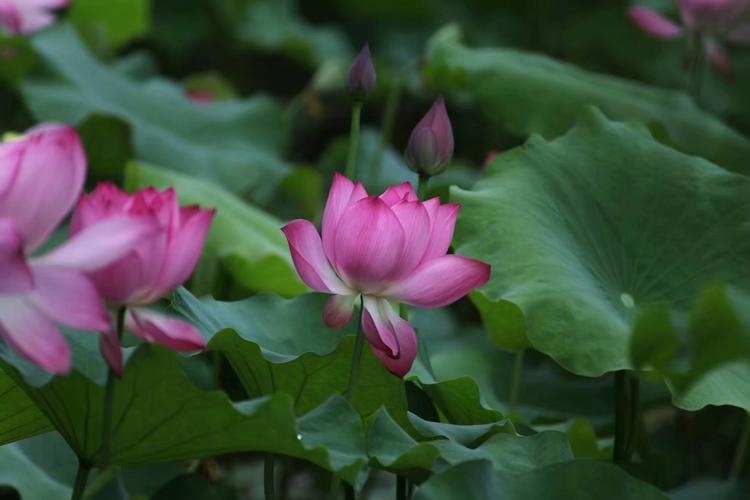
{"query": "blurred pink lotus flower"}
[(387, 247), (152, 269), (200, 97), (41, 176), (716, 20), (487, 160), (28, 16)]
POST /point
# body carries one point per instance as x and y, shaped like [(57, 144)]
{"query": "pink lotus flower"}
[(152, 269), (391, 247), (716, 20), (28, 16), (41, 176)]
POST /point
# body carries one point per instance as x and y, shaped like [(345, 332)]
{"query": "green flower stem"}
[(515, 381), (386, 130), (739, 455), (627, 414), (101, 481), (696, 66), (82, 477), (401, 488), (351, 390), (268, 477), (351, 160), (109, 394), (424, 180)]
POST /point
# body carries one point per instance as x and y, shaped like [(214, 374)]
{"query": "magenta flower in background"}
[(362, 77), (716, 20), (28, 16), (391, 247), (41, 176), (152, 269)]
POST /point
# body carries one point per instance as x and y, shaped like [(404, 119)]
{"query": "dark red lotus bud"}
[(362, 78), (430, 146)]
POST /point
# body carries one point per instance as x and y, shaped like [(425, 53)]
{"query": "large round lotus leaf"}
[(585, 230)]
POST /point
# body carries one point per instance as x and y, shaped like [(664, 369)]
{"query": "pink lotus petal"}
[(338, 310), (109, 347), (119, 282), (376, 326), (392, 339), (369, 244), (652, 23), (343, 194), (169, 332), (439, 282), (69, 298), (719, 59), (442, 224), (48, 179), (28, 331), (100, 244), (309, 258), (415, 220), (15, 275), (711, 15), (397, 194), (183, 250)]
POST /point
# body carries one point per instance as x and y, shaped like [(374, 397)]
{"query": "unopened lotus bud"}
[(362, 78), (430, 146)]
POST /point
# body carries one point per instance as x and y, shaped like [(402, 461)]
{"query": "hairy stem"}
[(351, 390), (82, 477), (268, 477), (109, 394), (351, 160), (515, 381), (424, 181)]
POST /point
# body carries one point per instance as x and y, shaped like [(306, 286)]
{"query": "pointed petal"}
[(391, 338), (48, 179), (15, 275), (369, 244), (183, 250), (415, 221), (398, 193), (169, 332), (343, 193), (338, 310), (34, 336), (439, 282), (443, 222), (100, 244), (109, 347), (376, 326), (309, 258), (69, 298), (652, 23)]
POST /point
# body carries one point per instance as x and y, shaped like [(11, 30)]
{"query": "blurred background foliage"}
[(242, 105)]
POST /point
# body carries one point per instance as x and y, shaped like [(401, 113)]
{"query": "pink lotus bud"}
[(487, 160), (152, 269), (651, 22), (362, 78), (200, 97), (28, 16), (41, 176), (711, 16), (391, 247), (430, 146)]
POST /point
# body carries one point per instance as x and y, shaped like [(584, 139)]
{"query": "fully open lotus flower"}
[(152, 269), (716, 20), (391, 247), (41, 176), (28, 16)]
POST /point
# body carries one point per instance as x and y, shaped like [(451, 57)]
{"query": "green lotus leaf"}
[(585, 231)]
